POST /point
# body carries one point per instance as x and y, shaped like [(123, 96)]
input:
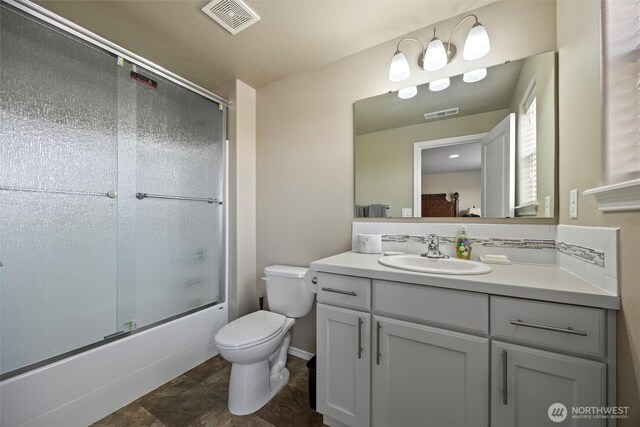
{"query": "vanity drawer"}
[(446, 307), (344, 291), (558, 326)]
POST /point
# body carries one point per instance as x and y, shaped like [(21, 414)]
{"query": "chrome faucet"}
[(433, 250)]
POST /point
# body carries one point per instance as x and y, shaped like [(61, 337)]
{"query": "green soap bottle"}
[(463, 245)]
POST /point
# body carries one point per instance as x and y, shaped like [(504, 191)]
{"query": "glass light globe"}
[(435, 57), (399, 69), (438, 85), (408, 92), (475, 75), (477, 44)]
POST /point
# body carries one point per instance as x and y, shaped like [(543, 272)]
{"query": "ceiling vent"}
[(442, 113), (233, 15)]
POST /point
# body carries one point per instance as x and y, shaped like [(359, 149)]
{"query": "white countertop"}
[(540, 282)]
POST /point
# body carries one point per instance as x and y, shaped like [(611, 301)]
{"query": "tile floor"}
[(199, 398)]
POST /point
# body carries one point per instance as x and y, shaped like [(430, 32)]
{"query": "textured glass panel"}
[(58, 110), (179, 243), (177, 252), (58, 275), (59, 115)]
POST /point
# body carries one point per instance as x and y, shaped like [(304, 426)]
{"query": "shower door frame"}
[(65, 25)]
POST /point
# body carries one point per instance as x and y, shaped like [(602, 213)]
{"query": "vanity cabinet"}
[(401, 354), (343, 348), (423, 375), (527, 381)]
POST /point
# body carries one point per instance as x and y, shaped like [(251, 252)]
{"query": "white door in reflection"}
[(498, 169)]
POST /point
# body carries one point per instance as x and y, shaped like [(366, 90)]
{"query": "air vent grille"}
[(233, 15), (441, 113)]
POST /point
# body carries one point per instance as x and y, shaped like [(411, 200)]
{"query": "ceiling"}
[(388, 111), (292, 35), (436, 160)]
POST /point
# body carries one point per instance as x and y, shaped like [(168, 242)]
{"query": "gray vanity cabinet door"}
[(343, 364), (535, 379), (425, 376)]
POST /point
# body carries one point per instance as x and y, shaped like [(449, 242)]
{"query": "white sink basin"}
[(435, 266)]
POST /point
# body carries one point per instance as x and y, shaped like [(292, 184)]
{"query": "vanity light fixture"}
[(438, 85), (454, 156), (438, 54), (408, 92), (475, 75)]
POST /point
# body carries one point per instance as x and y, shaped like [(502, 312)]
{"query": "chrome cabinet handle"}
[(505, 385), (567, 330), (378, 343), (359, 338), (338, 291)]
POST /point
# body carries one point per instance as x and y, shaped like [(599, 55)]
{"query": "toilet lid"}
[(250, 330)]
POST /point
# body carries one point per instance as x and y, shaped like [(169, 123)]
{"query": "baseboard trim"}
[(300, 353)]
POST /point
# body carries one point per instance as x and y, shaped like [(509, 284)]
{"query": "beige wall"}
[(583, 165), (384, 159), (305, 142), (541, 70), (466, 184), (241, 133)]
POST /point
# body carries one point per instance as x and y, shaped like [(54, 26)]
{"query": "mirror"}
[(475, 149)]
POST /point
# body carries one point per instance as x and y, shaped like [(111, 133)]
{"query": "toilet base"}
[(250, 387)]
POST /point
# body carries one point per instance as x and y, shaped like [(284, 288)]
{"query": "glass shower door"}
[(58, 174), (179, 242)]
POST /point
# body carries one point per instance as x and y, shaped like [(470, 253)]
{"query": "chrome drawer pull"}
[(360, 338), (505, 382), (567, 330), (378, 354), (338, 291)]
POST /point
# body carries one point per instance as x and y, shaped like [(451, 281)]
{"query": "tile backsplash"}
[(588, 252), (521, 243)]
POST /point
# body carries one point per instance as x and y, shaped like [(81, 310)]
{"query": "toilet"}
[(257, 344)]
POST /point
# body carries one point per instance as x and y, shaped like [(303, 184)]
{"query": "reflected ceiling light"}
[(438, 85), (438, 54), (475, 75), (454, 156), (408, 92)]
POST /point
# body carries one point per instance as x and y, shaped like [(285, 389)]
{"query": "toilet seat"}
[(250, 330)]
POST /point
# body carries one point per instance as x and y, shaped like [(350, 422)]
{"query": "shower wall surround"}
[(81, 257), (587, 252)]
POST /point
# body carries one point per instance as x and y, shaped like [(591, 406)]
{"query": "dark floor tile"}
[(208, 368), (299, 375), (220, 416), (199, 398), (290, 408), (180, 403), (219, 382), (132, 415)]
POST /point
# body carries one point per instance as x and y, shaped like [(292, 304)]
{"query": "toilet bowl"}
[(257, 344)]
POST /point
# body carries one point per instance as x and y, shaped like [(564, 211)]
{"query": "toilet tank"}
[(286, 290)]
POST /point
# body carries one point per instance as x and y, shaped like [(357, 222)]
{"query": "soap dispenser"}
[(463, 245)]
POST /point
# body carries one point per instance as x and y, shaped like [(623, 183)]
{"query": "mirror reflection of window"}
[(527, 154)]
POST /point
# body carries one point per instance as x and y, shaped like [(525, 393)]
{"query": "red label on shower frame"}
[(144, 80)]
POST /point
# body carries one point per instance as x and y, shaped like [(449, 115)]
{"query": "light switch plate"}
[(406, 213), (573, 204)]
